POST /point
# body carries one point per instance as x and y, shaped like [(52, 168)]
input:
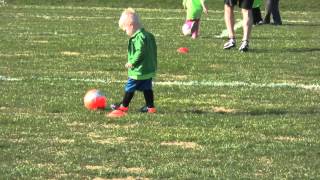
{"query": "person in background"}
[(272, 8), (256, 12), (246, 9), (194, 10)]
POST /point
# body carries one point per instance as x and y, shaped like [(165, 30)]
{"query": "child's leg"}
[(187, 27), (127, 98), (189, 23), (196, 28), (259, 16), (124, 105), (256, 13), (268, 11), (130, 88), (148, 96)]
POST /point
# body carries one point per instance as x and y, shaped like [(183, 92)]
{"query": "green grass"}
[(293, 5), (256, 129)]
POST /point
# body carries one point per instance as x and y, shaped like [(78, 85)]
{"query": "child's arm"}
[(204, 7), (128, 65), (136, 57)]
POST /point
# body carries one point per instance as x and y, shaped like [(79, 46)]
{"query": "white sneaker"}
[(230, 44), (244, 46)]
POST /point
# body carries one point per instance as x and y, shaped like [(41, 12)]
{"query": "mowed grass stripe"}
[(216, 117), (103, 13), (315, 87)]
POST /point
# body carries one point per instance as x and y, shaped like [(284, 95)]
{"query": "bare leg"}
[(196, 29), (229, 20), (247, 23)]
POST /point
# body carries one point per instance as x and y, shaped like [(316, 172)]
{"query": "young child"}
[(194, 11), (141, 65), (256, 13)]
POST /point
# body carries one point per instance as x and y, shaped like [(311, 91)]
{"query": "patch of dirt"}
[(184, 145), (223, 110)]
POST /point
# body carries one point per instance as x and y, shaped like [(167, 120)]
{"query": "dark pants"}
[(272, 8), (256, 13), (148, 96)]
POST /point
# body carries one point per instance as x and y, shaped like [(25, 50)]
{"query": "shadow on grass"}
[(292, 50), (302, 50), (301, 24), (255, 112)]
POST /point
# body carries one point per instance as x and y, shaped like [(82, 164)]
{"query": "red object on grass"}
[(183, 50), (100, 102), (116, 114), (94, 99)]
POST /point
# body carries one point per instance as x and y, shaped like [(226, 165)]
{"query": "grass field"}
[(221, 114)]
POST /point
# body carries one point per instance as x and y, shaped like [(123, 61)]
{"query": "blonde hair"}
[(129, 16)]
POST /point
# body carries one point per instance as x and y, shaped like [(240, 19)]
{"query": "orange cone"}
[(183, 50)]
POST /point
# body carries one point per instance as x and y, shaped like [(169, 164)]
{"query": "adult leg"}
[(268, 11), (247, 26), (229, 20), (247, 23), (276, 13)]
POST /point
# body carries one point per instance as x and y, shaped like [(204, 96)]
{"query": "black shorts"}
[(244, 4)]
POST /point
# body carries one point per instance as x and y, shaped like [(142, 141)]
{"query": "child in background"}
[(141, 65), (194, 11), (256, 12)]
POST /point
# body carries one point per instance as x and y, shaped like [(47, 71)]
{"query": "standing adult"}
[(246, 9), (272, 8)]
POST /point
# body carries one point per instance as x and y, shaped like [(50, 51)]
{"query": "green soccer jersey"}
[(142, 54), (256, 3), (194, 8)]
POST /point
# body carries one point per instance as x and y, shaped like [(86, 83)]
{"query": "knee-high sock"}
[(127, 98), (148, 96)]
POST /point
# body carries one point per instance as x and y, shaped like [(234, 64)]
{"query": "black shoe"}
[(230, 44), (266, 22), (244, 46)]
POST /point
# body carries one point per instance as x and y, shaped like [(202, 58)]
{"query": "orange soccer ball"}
[(94, 99)]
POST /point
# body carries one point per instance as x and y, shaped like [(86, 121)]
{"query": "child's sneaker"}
[(194, 35), (146, 109), (230, 44), (119, 107), (244, 46), (116, 114)]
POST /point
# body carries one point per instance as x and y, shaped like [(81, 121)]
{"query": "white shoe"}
[(244, 46), (230, 44)]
